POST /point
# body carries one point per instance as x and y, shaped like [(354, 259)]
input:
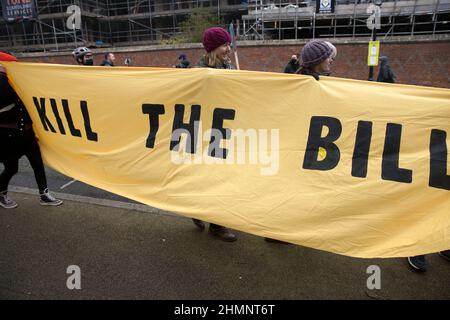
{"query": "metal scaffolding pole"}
[(296, 20), (54, 34), (413, 17), (279, 20), (354, 19), (435, 16)]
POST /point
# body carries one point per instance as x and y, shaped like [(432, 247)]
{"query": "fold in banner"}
[(351, 167)]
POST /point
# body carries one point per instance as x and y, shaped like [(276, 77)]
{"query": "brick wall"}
[(418, 63)]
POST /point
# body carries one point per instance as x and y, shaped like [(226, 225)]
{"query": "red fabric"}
[(214, 38), (7, 57)]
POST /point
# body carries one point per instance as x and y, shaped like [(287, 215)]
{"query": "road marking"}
[(68, 184)]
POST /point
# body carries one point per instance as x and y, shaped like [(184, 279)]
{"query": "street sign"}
[(374, 52), (325, 6), (14, 10), (374, 21)]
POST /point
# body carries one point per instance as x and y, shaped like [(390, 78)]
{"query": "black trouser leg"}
[(33, 154), (11, 168)]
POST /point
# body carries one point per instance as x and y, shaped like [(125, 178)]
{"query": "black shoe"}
[(445, 254), (6, 202), (199, 223), (419, 263), (48, 200), (222, 233)]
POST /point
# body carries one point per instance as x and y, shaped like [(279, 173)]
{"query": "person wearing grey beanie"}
[(316, 59)]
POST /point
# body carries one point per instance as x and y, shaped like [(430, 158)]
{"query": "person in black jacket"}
[(17, 139), (183, 62), (293, 65), (385, 74), (109, 60)]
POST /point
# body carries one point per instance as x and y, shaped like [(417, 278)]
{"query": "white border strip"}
[(98, 201)]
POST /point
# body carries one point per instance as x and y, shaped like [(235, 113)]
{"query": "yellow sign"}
[(374, 51), (351, 167)]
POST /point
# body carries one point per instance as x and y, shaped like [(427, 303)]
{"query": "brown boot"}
[(222, 233), (199, 223)]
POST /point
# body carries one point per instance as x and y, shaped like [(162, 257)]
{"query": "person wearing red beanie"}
[(216, 42)]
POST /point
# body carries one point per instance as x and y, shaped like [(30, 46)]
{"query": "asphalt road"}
[(124, 253)]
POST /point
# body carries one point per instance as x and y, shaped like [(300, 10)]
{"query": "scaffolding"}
[(298, 19), (107, 23)]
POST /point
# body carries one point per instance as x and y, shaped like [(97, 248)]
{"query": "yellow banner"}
[(351, 167)]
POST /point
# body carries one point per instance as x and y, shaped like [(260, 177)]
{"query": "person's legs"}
[(222, 233), (199, 223), (219, 231), (11, 168), (33, 154)]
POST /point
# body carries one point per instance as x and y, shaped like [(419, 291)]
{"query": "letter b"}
[(316, 141)]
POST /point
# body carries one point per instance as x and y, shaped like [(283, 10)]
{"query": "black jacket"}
[(106, 63), (292, 66), (309, 72), (385, 74), (13, 113), (183, 64)]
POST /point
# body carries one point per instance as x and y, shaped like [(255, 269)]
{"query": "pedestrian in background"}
[(293, 65), (109, 60), (385, 73), (183, 62)]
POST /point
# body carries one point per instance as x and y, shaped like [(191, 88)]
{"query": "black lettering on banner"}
[(438, 160), (190, 128), (315, 141), (389, 168), (219, 115), (40, 107), (58, 118), (153, 110), (74, 131), (91, 135), (362, 147)]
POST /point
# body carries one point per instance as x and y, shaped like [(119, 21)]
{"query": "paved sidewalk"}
[(131, 254)]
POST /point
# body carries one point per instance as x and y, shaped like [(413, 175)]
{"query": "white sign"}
[(74, 20)]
